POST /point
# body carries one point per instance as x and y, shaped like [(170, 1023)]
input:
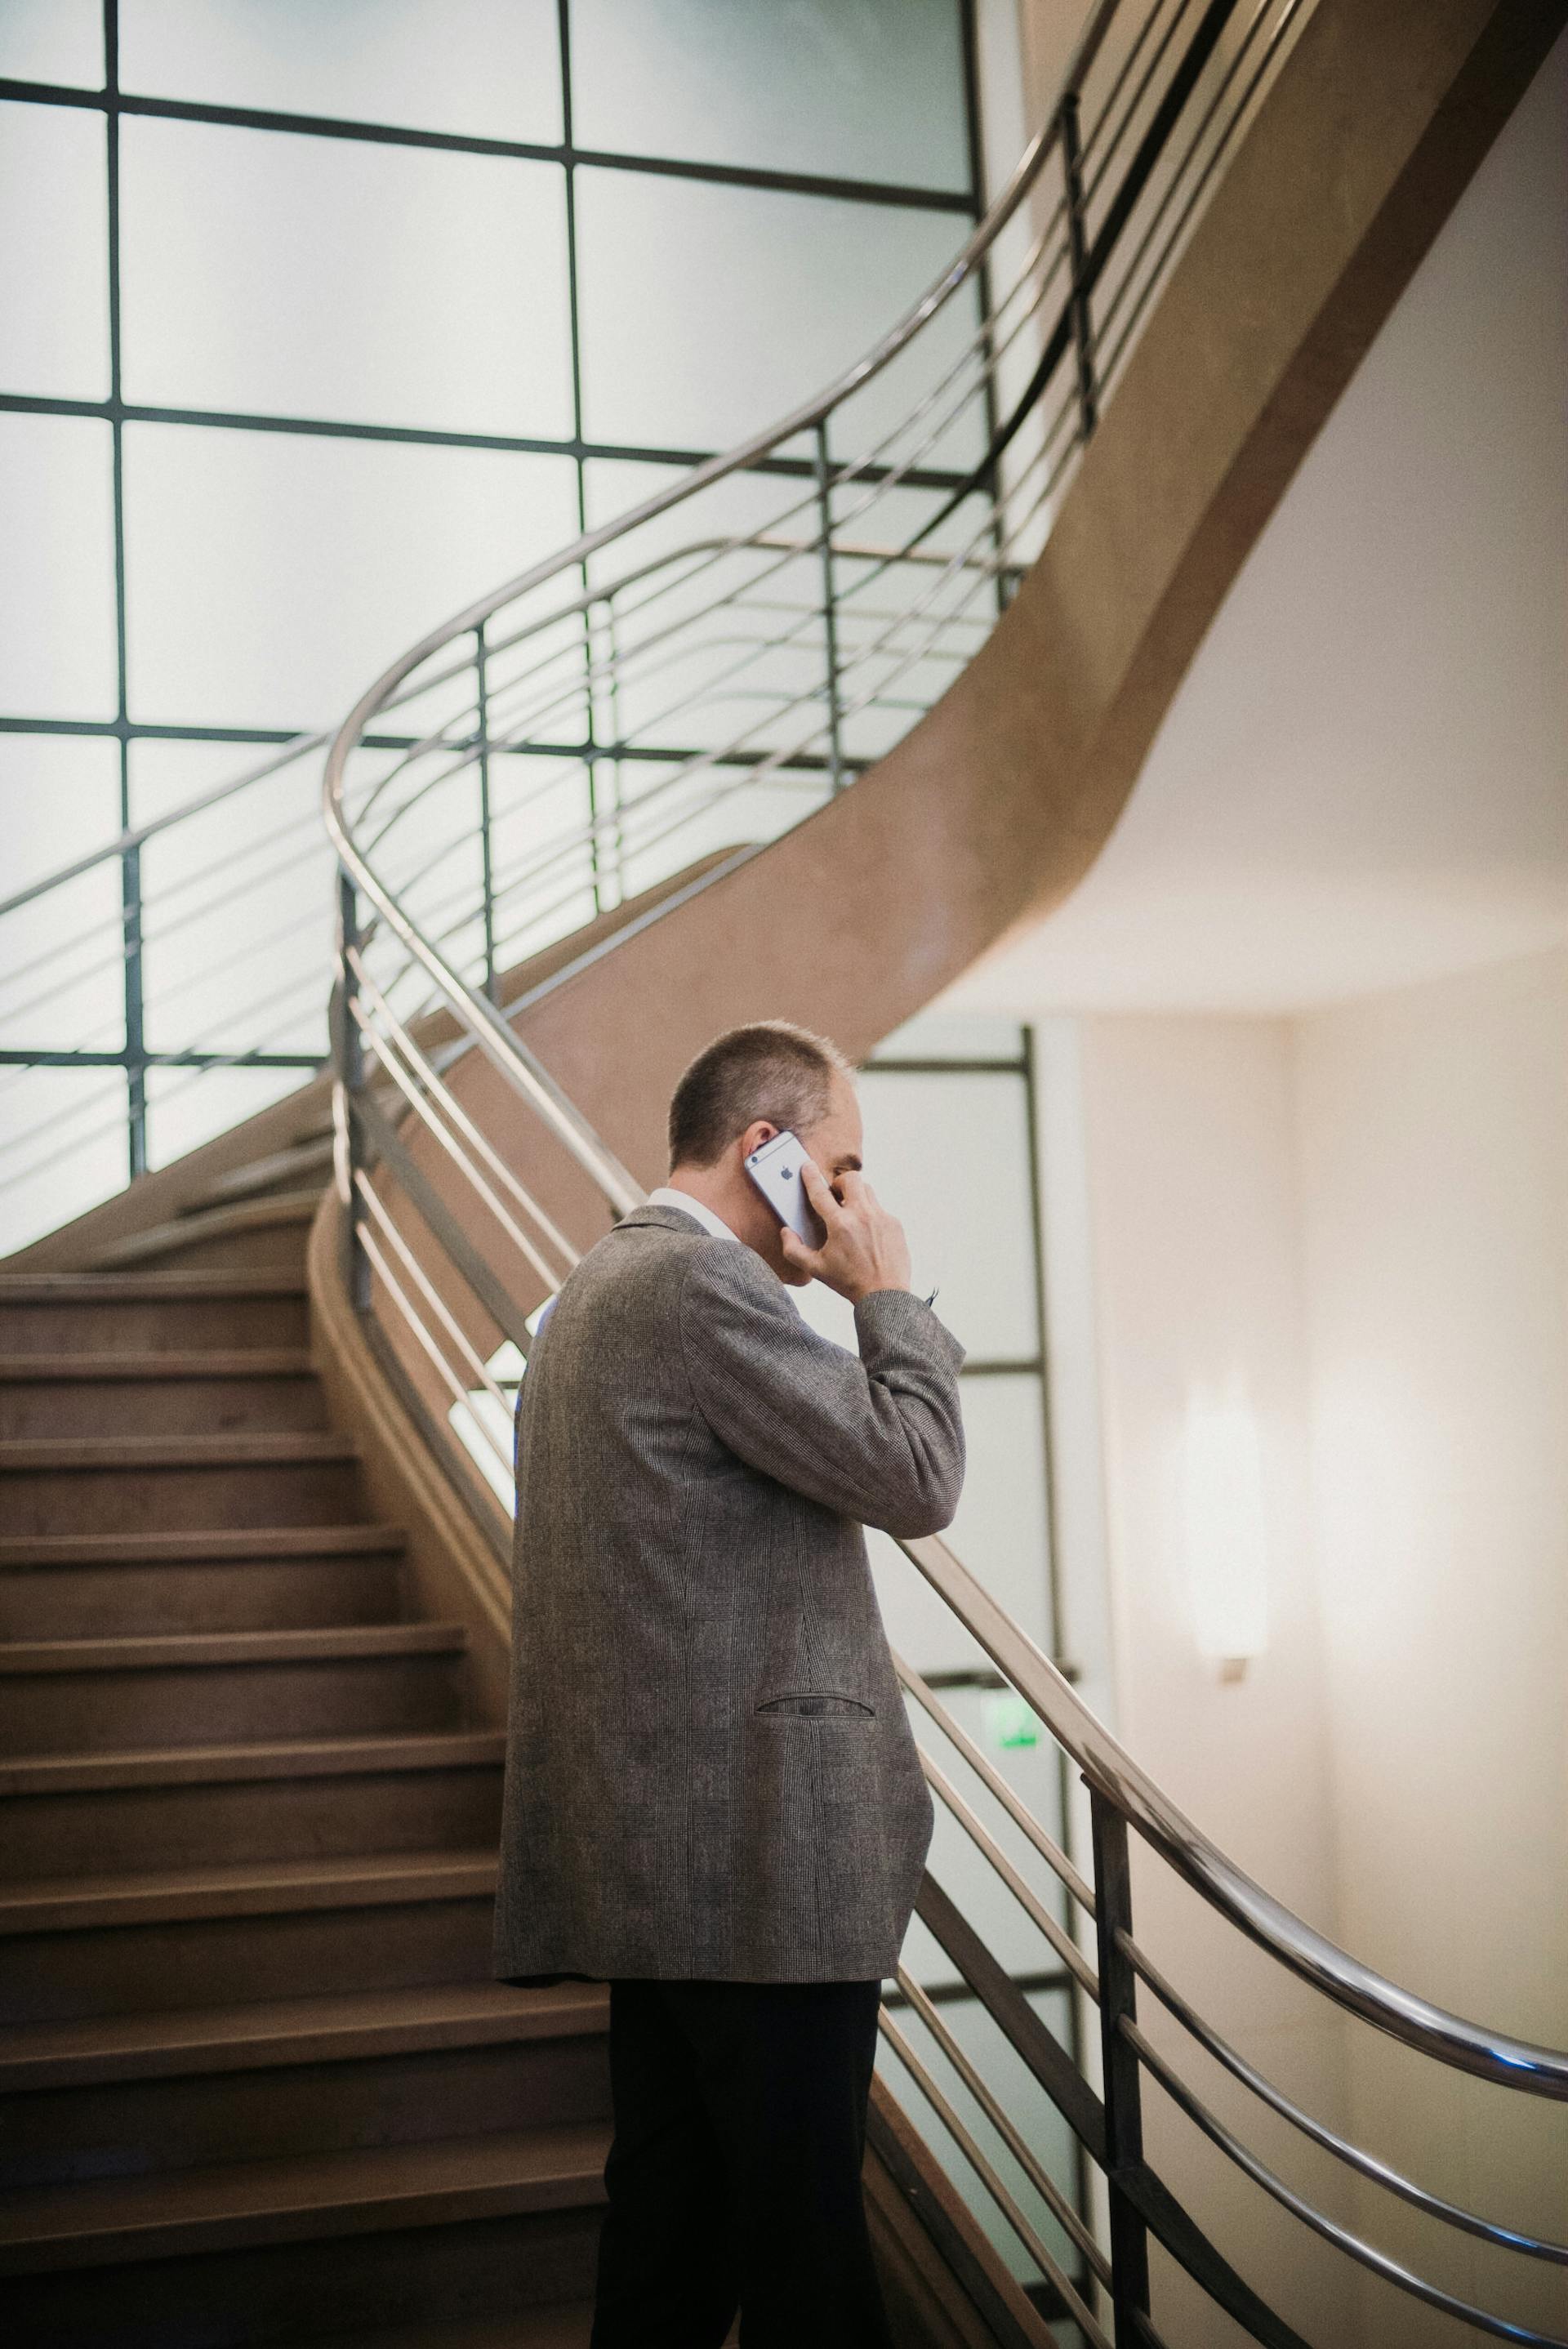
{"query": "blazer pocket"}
[(811, 1704)]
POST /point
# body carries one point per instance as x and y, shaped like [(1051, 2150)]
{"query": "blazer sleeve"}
[(876, 1435)]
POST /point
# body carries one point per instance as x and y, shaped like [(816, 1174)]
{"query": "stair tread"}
[(160, 1362), (141, 1653), (236, 1450), (221, 1543), (553, 2167), (293, 1757), (243, 1887), (558, 2324), (321, 2028), (260, 1174), (137, 1287)]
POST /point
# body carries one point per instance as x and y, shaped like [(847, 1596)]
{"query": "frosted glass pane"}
[(489, 68), (53, 40), (708, 312), (1000, 1529), (57, 584), (999, 1532), (956, 1159), (54, 265), (268, 274), (186, 1107), (351, 551), (673, 820), (238, 903), (543, 866), (870, 92), (64, 1146), (62, 966)]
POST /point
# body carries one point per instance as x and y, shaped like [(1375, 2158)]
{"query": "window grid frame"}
[(114, 104)]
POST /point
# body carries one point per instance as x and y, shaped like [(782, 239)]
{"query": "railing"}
[(603, 739)]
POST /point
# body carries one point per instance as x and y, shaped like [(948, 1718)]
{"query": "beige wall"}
[(1360, 1212), (1189, 1143), (1432, 1126)]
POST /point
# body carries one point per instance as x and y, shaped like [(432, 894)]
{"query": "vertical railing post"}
[(348, 1053), (482, 704), (134, 1001), (1078, 254), (1123, 2085), (830, 612)]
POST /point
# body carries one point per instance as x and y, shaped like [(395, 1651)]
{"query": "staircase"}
[(257, 2080), (260, 2086)]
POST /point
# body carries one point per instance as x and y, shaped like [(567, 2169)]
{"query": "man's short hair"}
[(769, 1068)]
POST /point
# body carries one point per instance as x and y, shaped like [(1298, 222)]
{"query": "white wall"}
[(1432, 1126), (1189, 1142), (1359, 1212)]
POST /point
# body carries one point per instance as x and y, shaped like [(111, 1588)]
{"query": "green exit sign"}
[(1008, 1720)]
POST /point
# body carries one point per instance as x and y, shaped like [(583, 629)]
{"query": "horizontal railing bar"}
[(1050, 1851), (501, 1307), (1049, 2063), (1367, 2164), (1451, 2038), (958, 1992), (418, 1102), (1378, 2262), (1179, 2231), (457, 1116), (1028, 2161), (986, 2172), (433, 1299), (1033, 1908)]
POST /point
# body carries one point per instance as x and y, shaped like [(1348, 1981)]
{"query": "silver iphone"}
[(774, 1169)]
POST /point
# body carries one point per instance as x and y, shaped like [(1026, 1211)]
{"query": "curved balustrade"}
[(607, 736)]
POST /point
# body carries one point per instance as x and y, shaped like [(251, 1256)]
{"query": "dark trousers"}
[(734, 2173)]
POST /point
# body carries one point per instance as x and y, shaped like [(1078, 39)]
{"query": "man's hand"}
[(865, 1247)]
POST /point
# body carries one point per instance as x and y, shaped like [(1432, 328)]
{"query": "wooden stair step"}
[(428, 2183), (160, 1362), (244, 1888), (318, 2029), (330, 1642), (30, 1456), (291, 1757), (199, 1219), (564, 2324), (262, 1174), (231, 1545), (145, 1288)]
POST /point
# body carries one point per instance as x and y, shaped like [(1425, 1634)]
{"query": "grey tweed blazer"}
[(709, 1770)]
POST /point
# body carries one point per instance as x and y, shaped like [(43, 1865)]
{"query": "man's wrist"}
[(876, 1289)]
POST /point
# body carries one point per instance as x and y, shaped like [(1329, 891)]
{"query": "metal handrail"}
[(1359, 1989), (781, 721)]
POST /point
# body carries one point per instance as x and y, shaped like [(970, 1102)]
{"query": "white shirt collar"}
[(665, 1196)]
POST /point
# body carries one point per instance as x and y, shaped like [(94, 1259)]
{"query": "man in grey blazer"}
[(713, 1798)]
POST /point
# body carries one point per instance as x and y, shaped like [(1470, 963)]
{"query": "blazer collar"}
[(666, 1218)]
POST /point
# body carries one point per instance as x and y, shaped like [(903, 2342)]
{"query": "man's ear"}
[(759, 1131)]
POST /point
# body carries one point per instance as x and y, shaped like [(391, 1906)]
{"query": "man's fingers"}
[(819, 1190), (795, 1249)]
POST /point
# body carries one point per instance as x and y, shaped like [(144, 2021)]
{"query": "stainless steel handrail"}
[(1359, 1989)]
